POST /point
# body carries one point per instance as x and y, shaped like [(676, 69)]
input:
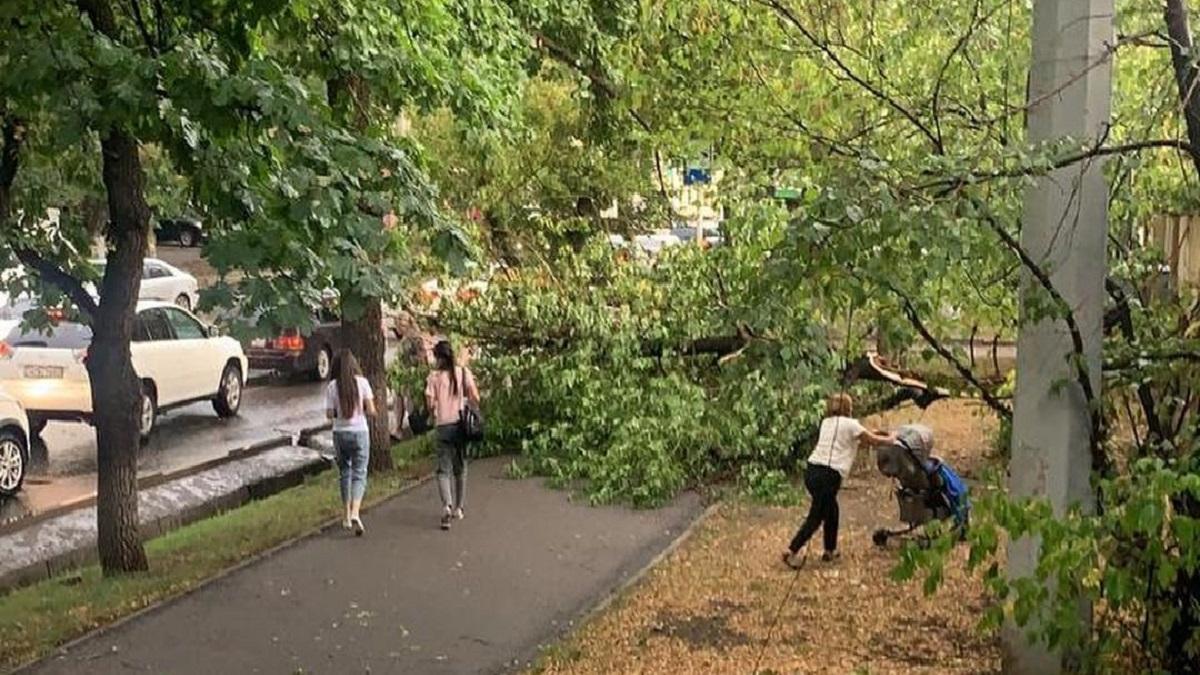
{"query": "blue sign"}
[(696, 175)]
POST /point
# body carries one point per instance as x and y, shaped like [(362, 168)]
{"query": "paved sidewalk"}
[(407, 597)]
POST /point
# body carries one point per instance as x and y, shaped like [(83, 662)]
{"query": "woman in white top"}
[(447, 389), (348, 402), (828, 465)]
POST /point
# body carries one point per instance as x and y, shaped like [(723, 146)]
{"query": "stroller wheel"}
[(880, 537)]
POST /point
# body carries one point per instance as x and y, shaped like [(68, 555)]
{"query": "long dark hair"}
[(443, 354), (348, 373)]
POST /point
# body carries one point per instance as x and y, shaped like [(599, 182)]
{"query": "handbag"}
[(418, 421), (470, 417)]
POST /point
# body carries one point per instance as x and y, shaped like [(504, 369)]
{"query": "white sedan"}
[(164, 282), (161, 281), (14, 445), (178, 360)]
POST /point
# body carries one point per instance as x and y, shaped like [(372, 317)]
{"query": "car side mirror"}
[(214, 331)]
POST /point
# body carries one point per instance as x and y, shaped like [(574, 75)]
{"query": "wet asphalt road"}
[(190, 435), (63, 461)]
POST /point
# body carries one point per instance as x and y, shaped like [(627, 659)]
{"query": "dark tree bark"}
[(1186, 593), (116, 390), (1187, 74), (364, 336)]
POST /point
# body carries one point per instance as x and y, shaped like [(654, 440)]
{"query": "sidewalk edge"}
[(526, 662)]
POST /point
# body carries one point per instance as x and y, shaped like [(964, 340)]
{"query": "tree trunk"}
[(116, 390), (1186, 594), (364, 336), (1186, 72), (350, 95)]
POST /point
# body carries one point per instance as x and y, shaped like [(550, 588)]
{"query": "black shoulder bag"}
[(470, 418)]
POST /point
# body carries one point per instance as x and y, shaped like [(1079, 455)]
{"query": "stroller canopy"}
[(907, 459)]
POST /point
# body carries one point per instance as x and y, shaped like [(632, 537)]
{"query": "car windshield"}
[(62, 336)]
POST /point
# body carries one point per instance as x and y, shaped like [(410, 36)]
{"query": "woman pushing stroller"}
[(828, 465)]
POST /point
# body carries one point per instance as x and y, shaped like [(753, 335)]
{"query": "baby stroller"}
[(928, 488)]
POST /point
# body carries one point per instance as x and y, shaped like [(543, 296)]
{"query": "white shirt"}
[(357, 420), (837, 444)]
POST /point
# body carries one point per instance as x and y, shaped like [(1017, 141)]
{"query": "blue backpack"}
[(956, 491)]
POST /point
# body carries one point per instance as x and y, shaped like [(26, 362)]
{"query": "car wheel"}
[(185, 301), (188, 237), (12, 462), (149, 413), (37, 425), (324, 369), (229, 396)]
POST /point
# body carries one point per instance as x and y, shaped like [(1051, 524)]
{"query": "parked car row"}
[(654, 243), (43, 374), (179, 360)]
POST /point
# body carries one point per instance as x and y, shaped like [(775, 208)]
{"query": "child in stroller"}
[(928, 489)]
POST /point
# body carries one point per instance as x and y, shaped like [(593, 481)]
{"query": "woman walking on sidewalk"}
[(348, 402), (828, 465), (447, 389)]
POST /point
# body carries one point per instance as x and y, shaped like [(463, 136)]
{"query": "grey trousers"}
[(452, 461)]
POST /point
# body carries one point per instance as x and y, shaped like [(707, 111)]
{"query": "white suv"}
[(14, 445), (177, 358)]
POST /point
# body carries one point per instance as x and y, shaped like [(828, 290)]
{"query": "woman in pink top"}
[(446, 390)]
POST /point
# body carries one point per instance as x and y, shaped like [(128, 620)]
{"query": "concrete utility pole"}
[(1065, 229)]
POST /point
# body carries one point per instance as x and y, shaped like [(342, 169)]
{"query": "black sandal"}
[(788, 560)]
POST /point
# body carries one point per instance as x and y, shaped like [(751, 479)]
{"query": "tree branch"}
[(596, 75), (914, 318), (1187, 73), (1124, 317), (790, 17), (953, 183), (135, 7), (52, 273)]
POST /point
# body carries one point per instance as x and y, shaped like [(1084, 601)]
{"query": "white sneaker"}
[(458, 514), (359, 529), (345, 523)]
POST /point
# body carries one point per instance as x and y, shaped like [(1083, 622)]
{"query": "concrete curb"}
[(615, 593), (67, 560), (154, 479), (229, 571)]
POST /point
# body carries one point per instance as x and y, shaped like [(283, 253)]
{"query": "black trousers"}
[(823, 484)]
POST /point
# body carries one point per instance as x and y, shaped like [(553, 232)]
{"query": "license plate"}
[(258, 344), (43, 372)]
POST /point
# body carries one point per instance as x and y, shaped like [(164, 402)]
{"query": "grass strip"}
[(37, 619)]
